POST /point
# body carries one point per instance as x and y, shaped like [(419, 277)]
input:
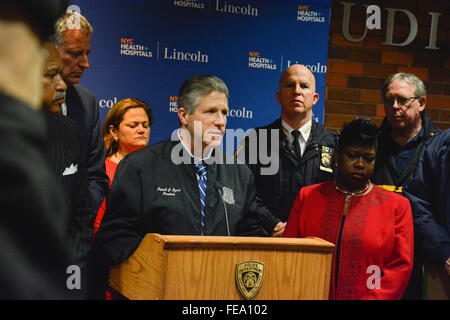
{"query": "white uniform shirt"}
[(305, 131)]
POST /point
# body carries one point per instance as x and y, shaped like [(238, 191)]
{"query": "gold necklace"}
[(366, 188)]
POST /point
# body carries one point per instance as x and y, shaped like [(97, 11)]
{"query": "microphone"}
[(226, 212)]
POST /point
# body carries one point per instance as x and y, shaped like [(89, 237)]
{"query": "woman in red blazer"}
[(371, 227)]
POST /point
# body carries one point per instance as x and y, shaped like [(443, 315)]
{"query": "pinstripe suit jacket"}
[(68, 165)]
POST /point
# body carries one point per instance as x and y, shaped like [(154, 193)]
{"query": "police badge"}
[(249, 277), (326, 159)]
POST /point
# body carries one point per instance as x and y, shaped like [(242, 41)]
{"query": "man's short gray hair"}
[(419, 87), (193, 89), (70, 21)]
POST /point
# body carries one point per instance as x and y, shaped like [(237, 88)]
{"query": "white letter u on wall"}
[(346, 23)]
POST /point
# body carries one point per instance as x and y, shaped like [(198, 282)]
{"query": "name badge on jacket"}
[(168, 191)]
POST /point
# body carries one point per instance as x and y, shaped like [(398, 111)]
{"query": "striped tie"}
[(201, 175)]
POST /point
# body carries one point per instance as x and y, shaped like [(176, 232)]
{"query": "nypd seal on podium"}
[(249, 277)]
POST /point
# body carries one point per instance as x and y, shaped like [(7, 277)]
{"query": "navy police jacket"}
[(279, 190), (429, 194)]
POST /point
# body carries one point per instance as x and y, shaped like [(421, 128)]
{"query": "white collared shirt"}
[(196, 160), (305, 131)]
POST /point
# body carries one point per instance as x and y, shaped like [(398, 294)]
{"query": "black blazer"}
[(33, 216), (82, 108)]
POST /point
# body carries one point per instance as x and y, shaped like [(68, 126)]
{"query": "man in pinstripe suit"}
[(67, 159)]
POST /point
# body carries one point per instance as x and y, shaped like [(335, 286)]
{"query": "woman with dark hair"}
[(126, 129), (371, 227)]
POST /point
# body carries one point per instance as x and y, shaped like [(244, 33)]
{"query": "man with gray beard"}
[(66, 157)]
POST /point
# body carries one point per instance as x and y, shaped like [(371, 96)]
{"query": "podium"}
[(225, 268)]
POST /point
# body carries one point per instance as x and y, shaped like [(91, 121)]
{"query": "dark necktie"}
[(296, 143), (201, 172)]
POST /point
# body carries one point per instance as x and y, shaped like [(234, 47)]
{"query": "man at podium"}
[(184, 185)]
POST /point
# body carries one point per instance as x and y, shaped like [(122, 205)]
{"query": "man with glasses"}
[(402, 134)]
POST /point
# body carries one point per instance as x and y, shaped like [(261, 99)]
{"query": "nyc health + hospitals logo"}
[(257, 61), (224, 6), (196, 4), (130, 47), (305, 14), (173, 104)]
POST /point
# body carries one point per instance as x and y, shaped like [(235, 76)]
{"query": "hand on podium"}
[(279, 229)]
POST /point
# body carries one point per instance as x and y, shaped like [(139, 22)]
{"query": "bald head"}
[(298, 69), (54, 86), (297, 95)]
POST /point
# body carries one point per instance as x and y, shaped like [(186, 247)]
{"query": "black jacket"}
[(278, 191), (68, 165), (385, 172), (429, 193), (34, 219), (386, 175), (82, 108), (152, 194)]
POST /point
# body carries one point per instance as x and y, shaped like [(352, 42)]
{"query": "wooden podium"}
[(204, 268)]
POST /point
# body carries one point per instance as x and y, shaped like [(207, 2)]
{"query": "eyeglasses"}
[(401, 102)]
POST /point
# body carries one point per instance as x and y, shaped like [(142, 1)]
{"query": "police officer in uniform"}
[(303, 149)]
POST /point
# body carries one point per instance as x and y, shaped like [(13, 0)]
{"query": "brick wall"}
[(356, 70)]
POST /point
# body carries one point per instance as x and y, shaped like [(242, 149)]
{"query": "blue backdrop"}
[(145, 49)]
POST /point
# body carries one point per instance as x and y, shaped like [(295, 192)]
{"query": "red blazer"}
[(373, 234)]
